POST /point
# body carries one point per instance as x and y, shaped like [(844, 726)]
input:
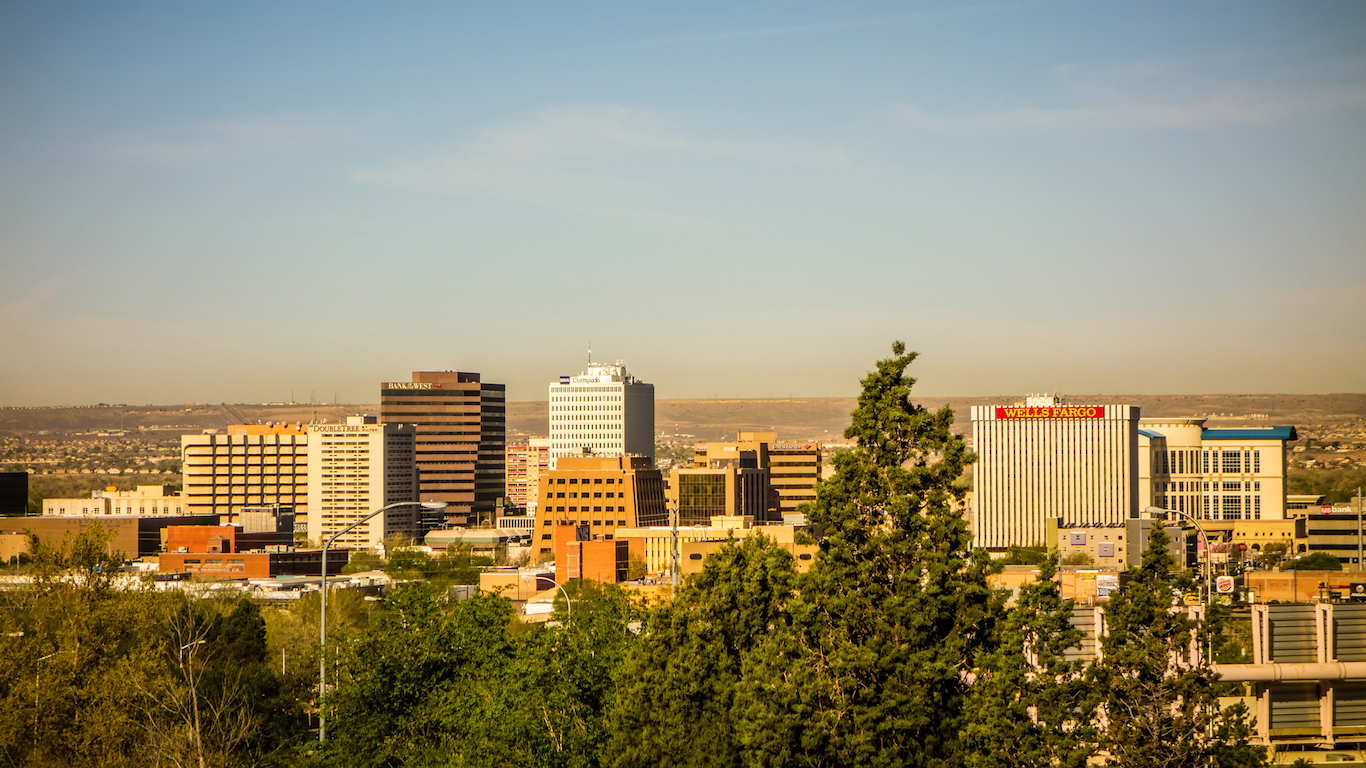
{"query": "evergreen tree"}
[(1029, 704), (872, 671), (681, 676), (1160, 707)]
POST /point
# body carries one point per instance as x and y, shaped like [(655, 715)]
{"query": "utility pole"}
[(673, 593)]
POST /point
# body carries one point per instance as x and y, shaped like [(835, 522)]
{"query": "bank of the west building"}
[(1096, 466)]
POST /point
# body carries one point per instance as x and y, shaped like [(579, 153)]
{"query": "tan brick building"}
[(599, 494)]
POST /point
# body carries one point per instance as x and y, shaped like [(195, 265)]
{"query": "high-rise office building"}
[(1043, 459), (603, 410), (461, 434), (793, 468), (1213, 474), (598, 494), (525, 463), (251, 465), (356, 468), (13, 494)]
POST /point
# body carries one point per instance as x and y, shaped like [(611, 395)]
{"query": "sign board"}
[(1224, 585), (1052, 412), (1357, 591), (1106, 583), (1326, 509), (410, 385)]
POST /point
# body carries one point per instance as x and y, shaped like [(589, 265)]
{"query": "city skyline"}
[(262, 203)]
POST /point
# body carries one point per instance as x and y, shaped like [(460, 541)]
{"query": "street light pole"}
[(322, 618), (1209, 596), (568, 609)]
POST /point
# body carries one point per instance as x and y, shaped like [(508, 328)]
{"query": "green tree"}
[(892, 612), (1316, 561), (1160, 707), (1030, 705), (681, 676), (1034, 555)]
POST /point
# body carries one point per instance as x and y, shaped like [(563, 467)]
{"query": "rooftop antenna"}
[(590, 351)]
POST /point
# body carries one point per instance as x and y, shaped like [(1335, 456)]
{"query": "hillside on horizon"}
[(807, 419)]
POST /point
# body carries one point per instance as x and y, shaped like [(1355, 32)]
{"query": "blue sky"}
[(237, 202)]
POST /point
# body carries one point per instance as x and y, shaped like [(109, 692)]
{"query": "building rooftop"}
[(1259, 433)]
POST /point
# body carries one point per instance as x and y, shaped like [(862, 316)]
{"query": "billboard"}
[(1051, 412)]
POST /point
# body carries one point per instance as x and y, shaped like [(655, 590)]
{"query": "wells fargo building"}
[(1077, 463)]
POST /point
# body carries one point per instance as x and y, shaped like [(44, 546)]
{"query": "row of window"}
[(560, 495), (1192, 485), (609, 508), (1191, 461)]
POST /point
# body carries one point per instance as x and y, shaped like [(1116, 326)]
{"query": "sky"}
[(262, 202)]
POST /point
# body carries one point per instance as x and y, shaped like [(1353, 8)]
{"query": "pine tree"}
[(1029, 704), (872, 671), (681, 677), (1160, 707)]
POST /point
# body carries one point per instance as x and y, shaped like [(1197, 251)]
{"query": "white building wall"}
[(1184, 468), (1078, 465), (604, 410), (355, 469)]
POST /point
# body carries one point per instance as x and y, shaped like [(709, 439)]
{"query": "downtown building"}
[(604, 410), (792, 469), (525, 463), (1087, 469), (593, 496), (461, 437), (1078, 464), (356, 468), (248, 465)]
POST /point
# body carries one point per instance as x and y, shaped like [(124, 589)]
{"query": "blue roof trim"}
[(1150, 433), (1263, 433)]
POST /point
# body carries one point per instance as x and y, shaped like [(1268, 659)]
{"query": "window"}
[(1256, 461), (1232, 462), (545, 536), (547, 521), (597, 522), (1205, 462), (597, 480), (1233, 507), (621, 522)]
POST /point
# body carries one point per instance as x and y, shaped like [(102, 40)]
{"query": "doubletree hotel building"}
[(461, 436), (1076, 463)]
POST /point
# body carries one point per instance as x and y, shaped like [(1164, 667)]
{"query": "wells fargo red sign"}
[(1054, 412)]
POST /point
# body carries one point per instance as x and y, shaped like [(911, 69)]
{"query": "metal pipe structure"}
[(322, 618), (1273, 672)]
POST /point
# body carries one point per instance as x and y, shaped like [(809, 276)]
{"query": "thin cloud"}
[(540, 160), (789, 30), (204, 141), (1220, 108), (28, 304)]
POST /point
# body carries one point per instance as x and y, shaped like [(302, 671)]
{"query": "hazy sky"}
[(239, 201)]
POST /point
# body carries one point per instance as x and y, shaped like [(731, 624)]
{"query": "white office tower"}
[(1042, 459), (603, 410), (354, 469)]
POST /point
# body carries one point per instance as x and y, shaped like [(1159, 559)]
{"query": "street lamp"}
[(568, 609), (322, 619), (1162, 513)]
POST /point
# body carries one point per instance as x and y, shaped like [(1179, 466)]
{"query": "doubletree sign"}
[(1052, 412)]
